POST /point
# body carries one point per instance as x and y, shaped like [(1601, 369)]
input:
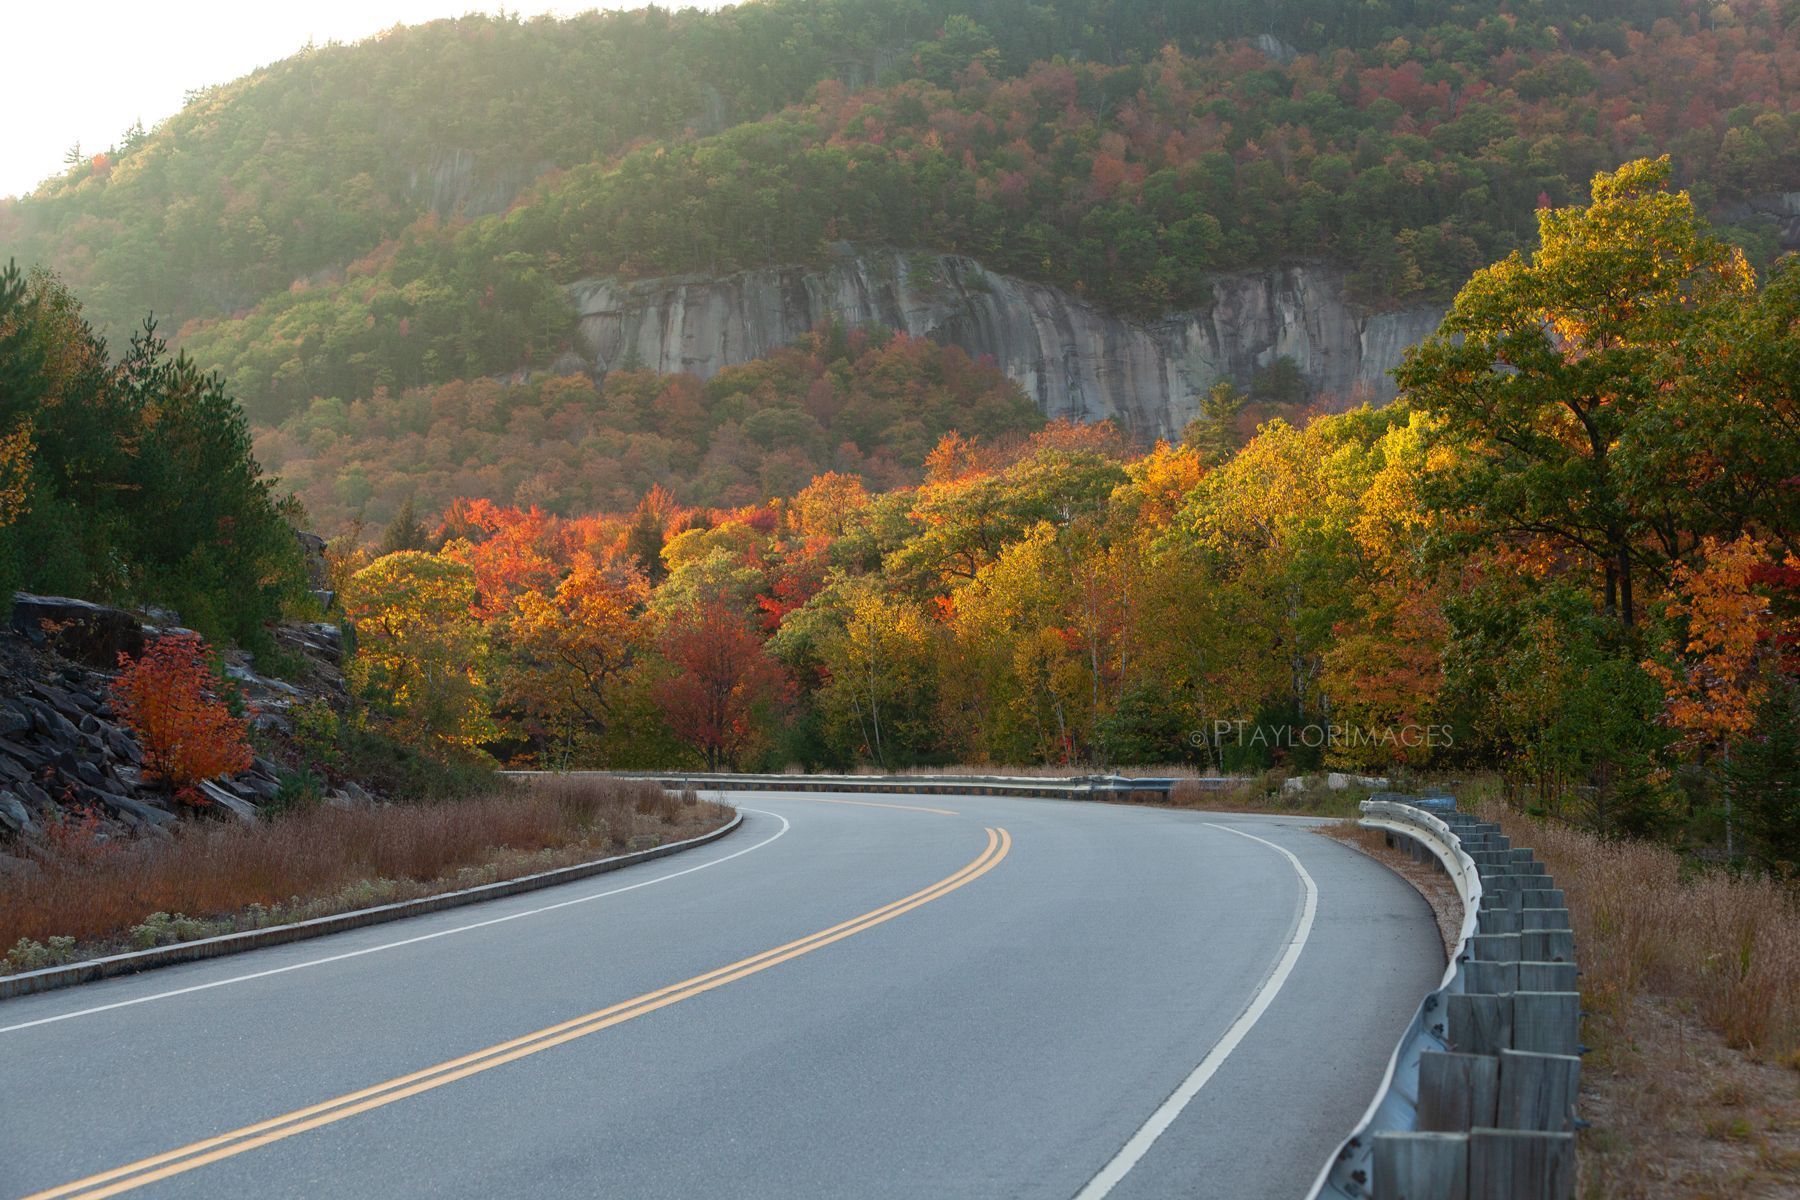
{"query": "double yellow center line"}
[(226, 1145)]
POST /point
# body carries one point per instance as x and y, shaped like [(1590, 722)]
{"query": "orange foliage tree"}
[(188, 734), (1722, 672), (572, 649)]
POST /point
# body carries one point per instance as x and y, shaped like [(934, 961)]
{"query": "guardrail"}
[(1080, 787), (1479, 1097)]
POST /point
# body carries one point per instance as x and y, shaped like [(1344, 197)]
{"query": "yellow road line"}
[(197, 1154), (942, 812)]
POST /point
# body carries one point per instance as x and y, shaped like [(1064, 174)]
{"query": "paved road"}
[(1054, 976)]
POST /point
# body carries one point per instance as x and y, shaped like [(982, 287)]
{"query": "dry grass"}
[(1677, 1113), (1726, 946), (325, 860), (1691, 982)]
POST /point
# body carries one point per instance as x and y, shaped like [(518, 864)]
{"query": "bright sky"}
[(83, 71)]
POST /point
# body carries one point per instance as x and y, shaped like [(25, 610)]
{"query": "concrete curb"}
[(49, 978)]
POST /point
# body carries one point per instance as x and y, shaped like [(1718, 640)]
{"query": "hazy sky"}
[(84, 70)]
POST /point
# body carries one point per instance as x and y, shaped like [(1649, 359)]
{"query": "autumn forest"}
[(1568, 553)]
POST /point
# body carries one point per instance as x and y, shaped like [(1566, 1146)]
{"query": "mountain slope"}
[(415, 209)]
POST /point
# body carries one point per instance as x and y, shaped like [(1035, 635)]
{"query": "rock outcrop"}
[(1077, 361), (65, 756), (454, 184), (1779, 209)]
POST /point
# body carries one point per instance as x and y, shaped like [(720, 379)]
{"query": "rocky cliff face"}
[(1074, 359)]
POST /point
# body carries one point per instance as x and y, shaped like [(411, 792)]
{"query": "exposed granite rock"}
[(456, 184), (1074, 359), (1780, 208), (88, 633), (63, 753)]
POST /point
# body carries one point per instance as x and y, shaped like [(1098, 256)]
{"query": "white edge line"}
[(1113, 1172), (424, 937)]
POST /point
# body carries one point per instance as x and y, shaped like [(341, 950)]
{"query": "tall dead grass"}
[(1726, 945), (96, 891)]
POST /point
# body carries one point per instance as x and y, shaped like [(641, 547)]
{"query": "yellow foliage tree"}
[(421, 656)]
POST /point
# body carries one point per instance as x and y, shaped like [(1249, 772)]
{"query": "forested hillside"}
[(1581, 569), (403, 212), (839, 400)]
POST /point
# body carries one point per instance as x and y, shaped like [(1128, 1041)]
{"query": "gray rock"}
[(48, 721), (271, 722), (124, 746), (1076, 361), (1274, 48), (13, 721), (36, 796), (138, 810), (242, 809), (88, 633), (256, 788), (14, 815)]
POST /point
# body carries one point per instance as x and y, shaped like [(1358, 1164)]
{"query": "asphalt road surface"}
[(864, 997)]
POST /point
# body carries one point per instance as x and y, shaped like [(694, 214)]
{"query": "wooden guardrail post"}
[(1546, 977), (1480, 1024), (1497, 920), (1546, 945), (1546, 1022), (1491, 978), (1511, 1164), (1537, 1091), (1457, 1092), (1420, 1166)]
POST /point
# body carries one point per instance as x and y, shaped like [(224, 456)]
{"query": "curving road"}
[(870, 997)]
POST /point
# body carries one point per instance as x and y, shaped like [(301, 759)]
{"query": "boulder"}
[(1339, 781), (88, 633), (243, 810), (138, 810), (14, 815), (31, 758)]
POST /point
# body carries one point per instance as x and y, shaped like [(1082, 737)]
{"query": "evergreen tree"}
[(1214, 433), (404, 532), (1763, 779)]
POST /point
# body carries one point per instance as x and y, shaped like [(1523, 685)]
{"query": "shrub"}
[(28, 955), (188, 734)]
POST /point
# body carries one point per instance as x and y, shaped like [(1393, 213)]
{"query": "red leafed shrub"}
[(187, 733)]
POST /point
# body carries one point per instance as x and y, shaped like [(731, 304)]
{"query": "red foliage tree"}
[(187, 732), (721, 683)]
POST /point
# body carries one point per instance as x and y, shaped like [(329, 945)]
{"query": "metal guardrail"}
[(1080, 787), (1479, 1096)]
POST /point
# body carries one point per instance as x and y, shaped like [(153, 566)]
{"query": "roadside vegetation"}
[(1690, 980), (1690, 989), (83, 893)]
